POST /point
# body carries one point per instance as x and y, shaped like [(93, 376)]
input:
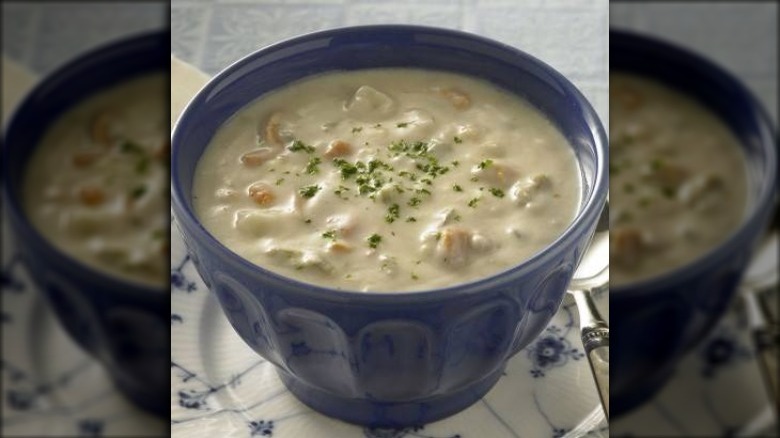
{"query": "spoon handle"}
[(594, 332), (766, 340), (596, 342)]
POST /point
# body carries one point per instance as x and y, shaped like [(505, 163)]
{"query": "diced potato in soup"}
[(387, 180), (677, 179), (97, 185)]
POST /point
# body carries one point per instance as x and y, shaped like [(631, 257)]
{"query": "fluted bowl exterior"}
[(388, 359), (122, 324), (655, 322)]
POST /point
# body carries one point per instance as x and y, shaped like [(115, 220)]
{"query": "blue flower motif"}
[(261, 428), (194, 399), (721, 350), (90, 428), (179, 281), (548, 351), (551, 351), (20, 400)]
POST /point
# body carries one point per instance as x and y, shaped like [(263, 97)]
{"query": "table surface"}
[(740, 37), (570, 35)]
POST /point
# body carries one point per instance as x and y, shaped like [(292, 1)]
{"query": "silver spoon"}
[(761, 310), (593, 275)]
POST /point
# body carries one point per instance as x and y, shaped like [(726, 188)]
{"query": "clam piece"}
[(459, 99), (338, 148), (100, 128)]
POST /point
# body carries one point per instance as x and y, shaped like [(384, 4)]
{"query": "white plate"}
[(50, 387), (717, 390), (220, 387)]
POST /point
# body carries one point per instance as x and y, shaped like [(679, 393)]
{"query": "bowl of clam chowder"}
[(692, 177), (388, 213), (85, 171)]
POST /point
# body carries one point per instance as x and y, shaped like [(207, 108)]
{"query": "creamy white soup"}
[(677, 179), (387, 180), (97, 184)]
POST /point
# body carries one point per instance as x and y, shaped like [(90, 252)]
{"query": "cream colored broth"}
[(96, 186), (677, 179), (387, 180)]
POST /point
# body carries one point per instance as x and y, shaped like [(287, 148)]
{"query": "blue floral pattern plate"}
[(50, 387), (717, 389), (220, 387)]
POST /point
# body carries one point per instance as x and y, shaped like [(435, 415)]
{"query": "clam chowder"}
[(677, 179), (387, 180), (97, 184)]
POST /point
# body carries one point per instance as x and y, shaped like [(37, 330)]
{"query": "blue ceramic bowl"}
[(655, 322), (122, 324), (388, 359)]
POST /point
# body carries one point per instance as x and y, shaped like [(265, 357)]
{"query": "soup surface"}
[(97, 184), (387, 180), (677, 179)]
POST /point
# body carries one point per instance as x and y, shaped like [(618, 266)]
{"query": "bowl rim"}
[(763, 202), (111, 285), (587, 213)]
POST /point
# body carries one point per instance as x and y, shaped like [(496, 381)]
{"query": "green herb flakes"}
[(392, 213), (374, 240), (498, 193), (309, 191), (299, 146)]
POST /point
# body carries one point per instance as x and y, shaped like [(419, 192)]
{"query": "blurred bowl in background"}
[(121, 323), (389, 359), (656, 321)]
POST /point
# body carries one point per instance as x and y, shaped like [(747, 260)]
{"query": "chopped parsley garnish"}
[(159, 234), (457, 188), (312, 166), (330, 234), (498, 193), (279, 181), (307, 221), (402, 125), (346, 168), (457, 139), (142, 165), (411, 219), (473, 202), (356, 129), (131, 147), (484, 164), (298, 146), (414, 202), (392, 213), (455, 163), (414, 276), (309, 191), (668, 192), (138, 192), (374, 240)]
